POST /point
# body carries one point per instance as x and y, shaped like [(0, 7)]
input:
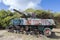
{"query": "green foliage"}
[(7, 16), (41, 13), (29, 10)]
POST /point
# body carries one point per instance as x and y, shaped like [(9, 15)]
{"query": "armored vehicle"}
[(32, 24)]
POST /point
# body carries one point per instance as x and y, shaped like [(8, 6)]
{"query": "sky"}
[(53, 5)]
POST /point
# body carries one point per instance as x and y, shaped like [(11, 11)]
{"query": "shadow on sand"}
[(54, 36), (1, 36)]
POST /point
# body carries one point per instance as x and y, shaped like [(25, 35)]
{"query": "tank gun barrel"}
[(17, 11), (26, 15), (20, 12), (23, 13)]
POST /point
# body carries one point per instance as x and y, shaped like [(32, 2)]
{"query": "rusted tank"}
[(33, 24)]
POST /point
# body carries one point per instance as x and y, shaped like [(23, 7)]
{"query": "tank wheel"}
[(47, 32)]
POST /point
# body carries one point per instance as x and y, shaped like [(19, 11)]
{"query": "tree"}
[(29, 10), (6, 17)]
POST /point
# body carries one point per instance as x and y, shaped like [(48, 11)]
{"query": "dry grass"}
[(13, 36), (56, 30)]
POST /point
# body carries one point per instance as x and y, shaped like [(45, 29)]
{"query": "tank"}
[(36, 25)]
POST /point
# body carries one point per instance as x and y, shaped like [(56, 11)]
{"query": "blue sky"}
[(3, 6), (53, 5)]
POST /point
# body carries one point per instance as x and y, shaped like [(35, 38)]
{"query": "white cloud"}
[(22, 4)]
